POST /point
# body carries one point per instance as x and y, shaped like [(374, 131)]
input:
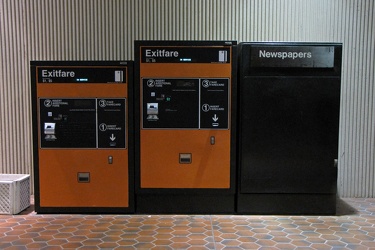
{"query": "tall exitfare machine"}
[(82, 136), (185, 114), (288, 129)]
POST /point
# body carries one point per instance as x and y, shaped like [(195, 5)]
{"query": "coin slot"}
[(212, 140)]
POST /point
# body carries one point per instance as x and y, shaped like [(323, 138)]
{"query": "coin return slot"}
[(185, 158), (84, 177)]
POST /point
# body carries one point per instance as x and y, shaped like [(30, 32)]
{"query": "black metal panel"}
[(111, 122), (214, 104), (68, 123), (316, 59), (170, 103), (292, 56), (185, 203), (174, 103), (88, 74), (289, 134), (289, 100), (291, 204)]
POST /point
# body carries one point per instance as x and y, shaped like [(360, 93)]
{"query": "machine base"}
[(185, 204), (291, 204), (84, 210)]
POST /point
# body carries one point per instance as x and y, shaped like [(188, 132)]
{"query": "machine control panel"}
[(194, 103), (82, 123)]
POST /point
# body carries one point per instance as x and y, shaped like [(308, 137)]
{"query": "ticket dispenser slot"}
[(84, 177), (81, 117), (185, 132)]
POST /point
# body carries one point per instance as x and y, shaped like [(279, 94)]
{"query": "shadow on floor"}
[(343, 208)]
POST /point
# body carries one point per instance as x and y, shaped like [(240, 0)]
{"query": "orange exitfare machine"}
[(82, 136), (185, 126)]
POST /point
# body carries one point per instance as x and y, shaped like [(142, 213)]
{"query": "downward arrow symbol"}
[(215, 118), (113, 137)]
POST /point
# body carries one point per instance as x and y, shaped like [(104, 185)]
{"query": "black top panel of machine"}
[(184, 51), (290, 59), (167, 54), (80, 75), (86, 72)]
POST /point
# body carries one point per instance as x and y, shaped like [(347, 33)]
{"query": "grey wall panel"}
[(105, 30), (356, 175), (79, 30), (15, 132)]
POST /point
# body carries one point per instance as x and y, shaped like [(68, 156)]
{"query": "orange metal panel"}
[(59, 187), (185, 70), (81, 91), (160, 167)]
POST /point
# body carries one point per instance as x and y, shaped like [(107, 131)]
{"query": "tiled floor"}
[(352, 228)]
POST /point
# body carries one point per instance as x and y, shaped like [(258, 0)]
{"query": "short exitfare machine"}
[(289, 105), (82, 136), (184, 119)]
